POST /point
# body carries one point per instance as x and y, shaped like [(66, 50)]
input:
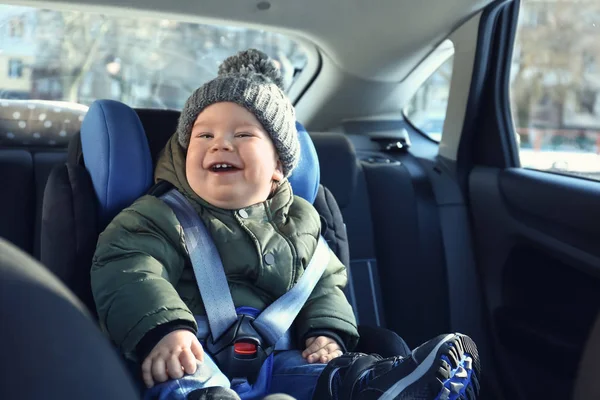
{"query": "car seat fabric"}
[(70, 228), (16, 203), (33, 139), (55, 349), (345, 177), (333, 228), (116, 155)]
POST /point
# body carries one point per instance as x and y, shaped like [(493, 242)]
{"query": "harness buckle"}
[(244, 349), (240, 352)]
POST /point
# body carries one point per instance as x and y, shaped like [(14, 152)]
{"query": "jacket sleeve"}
[(138, 262), (328, 308)]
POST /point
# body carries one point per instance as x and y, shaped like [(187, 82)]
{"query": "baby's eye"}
[(243, 134), (204, 135)]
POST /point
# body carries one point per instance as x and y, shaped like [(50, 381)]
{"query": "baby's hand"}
[(175, 354), (321, 349)]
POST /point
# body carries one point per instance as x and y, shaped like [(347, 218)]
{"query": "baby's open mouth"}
[(223, 167)]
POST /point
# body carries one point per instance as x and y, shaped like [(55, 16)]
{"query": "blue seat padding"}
[(306, 176), (117, 156)]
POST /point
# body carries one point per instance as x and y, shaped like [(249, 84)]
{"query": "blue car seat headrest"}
[(117, 156), (306, 176)]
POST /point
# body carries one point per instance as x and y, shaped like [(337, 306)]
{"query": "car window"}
[(555, 86), (144, 62), (426, 110)]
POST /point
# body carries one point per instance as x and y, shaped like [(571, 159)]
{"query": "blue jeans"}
[(284, 372), (294, 376)]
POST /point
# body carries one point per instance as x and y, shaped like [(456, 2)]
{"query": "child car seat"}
[(111, 164)]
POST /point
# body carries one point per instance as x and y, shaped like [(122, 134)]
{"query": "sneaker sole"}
[(449, 372)]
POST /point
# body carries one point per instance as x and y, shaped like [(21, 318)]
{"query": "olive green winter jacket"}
[(142, 276)]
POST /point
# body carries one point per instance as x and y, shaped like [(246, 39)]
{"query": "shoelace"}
[(398, 360)]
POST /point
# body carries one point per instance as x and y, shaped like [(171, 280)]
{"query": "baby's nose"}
[(222, 144)]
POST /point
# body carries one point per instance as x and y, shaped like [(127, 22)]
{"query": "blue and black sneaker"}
[(444, 368)]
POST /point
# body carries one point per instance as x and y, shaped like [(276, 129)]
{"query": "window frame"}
[(422, 73)]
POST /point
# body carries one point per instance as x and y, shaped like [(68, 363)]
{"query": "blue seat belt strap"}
[(278, 317), (207, 265), (274, 321)]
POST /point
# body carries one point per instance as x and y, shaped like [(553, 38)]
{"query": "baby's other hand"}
[(175, 354), (321, 349)]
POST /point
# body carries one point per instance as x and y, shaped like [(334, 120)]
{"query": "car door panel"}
[(536, 246)]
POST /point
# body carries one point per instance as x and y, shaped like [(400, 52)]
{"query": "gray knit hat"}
[(251, 80)]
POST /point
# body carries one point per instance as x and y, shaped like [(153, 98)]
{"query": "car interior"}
[(453, 219)]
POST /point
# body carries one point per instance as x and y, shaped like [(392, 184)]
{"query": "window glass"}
[(144, 62), (427, 109), (555, 86)]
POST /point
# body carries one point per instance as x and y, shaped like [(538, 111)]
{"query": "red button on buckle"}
[(244, 348)]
